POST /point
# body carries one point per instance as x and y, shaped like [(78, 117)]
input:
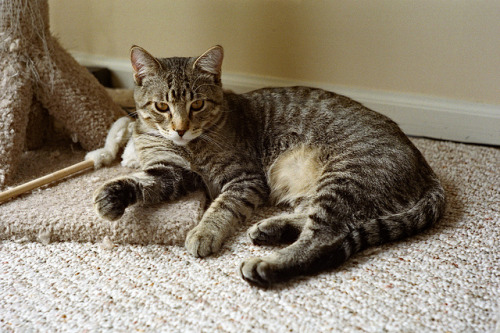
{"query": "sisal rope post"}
[(35, 68)]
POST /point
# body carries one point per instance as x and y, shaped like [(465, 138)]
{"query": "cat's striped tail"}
[(421, 216)]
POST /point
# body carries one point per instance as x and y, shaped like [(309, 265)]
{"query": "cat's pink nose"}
[(180, 132)]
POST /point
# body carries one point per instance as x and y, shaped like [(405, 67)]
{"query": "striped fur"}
[(354, 178)]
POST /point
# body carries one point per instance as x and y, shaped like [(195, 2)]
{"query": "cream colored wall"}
[(449, 49)]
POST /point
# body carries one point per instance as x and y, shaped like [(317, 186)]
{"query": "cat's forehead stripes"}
[(178, 82), (178, 93)]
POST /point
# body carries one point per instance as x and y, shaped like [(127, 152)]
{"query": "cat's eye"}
[(197, 105), (161, 106)]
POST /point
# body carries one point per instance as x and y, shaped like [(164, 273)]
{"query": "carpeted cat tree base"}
[(36, 73), (72, 216)]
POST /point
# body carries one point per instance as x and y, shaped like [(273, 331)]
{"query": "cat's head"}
[(178, 98)]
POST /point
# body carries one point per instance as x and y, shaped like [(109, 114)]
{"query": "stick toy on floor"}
[(119, 136)]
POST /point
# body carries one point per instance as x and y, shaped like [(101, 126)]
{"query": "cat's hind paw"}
[(278, 229), (257, 272), (259, 234)]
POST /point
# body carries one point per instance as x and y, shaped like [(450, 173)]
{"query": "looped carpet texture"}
[(63, 269)]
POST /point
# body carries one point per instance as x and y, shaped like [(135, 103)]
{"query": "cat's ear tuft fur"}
[(143, 63), (211, 60)]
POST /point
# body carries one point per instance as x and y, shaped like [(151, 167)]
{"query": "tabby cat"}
[(354, 179)]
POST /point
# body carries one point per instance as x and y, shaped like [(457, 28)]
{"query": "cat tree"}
[(36, 74)]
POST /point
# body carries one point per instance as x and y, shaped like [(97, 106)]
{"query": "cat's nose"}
[(181, 132)]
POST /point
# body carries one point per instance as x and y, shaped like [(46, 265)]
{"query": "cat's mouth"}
[(183, 140), (180, 141), (175, 137)]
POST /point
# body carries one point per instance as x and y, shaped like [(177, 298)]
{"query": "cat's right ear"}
[(143, 63)]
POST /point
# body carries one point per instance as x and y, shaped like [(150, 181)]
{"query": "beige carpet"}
[(63, 269)]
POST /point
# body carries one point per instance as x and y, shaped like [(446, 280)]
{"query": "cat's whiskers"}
[(132, 114), (217, 137), (195, 86), (195, 90), (205, 85), (154, 134), (213, 141), (195, 81)]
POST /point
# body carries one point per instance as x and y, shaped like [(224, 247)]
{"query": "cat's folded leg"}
[(233, 206), (277, 229), (162, 183)]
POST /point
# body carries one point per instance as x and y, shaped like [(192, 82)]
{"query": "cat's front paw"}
[(257, 271), (111, 200), (202, 242)]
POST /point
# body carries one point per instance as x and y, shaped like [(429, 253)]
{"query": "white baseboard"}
[(416, 114)]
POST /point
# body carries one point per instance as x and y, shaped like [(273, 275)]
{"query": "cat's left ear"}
[(211, 60)]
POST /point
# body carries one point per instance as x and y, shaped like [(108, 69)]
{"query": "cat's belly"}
[(294, 174)]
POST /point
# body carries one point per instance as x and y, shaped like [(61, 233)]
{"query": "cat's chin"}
[(180, 142), (177, 140), (183, 141)]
